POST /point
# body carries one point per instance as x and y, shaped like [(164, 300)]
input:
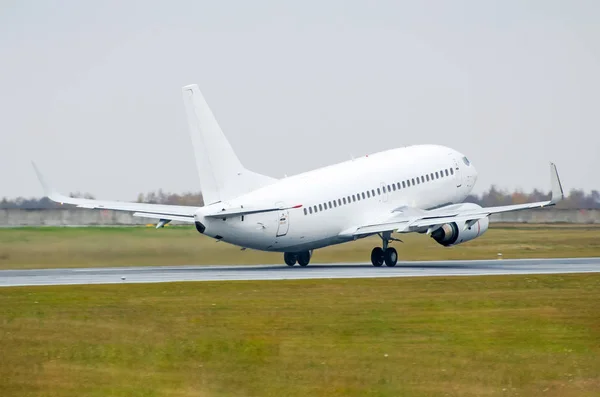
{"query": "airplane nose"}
[(473, 172)]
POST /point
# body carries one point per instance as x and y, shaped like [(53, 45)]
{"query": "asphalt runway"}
[(160, 274)]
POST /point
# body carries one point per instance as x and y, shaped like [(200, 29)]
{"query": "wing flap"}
[(379, 228), (181, 218)]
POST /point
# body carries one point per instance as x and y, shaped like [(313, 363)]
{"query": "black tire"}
[(290, 258), (391, 257), (304, 258), (377, 256)]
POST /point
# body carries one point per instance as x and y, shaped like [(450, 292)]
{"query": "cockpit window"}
[(466, 161)]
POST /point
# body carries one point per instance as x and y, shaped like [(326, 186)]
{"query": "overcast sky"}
[(92, 90)]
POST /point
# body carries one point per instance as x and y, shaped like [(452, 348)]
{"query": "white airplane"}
[(412, 189)]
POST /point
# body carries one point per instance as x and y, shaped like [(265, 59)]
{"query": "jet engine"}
[(456, 233)]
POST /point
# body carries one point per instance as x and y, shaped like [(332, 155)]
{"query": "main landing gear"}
[(302, 258), (387, 255)]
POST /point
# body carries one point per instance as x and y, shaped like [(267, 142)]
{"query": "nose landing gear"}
[(387, 255)]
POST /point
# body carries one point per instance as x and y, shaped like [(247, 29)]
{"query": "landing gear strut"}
[(303, 258), (387, 255)]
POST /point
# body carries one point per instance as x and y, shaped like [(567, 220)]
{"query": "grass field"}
[(140, 246), (484, 336)]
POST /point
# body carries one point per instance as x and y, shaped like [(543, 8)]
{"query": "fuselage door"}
[(283, 223), (457, 173)]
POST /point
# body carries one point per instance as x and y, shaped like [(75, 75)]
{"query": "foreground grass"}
[(139, 246), (484, 336)]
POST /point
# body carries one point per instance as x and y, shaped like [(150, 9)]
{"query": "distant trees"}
[(160, 197), (576, 198)]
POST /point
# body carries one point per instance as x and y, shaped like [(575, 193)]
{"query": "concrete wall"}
[(83, 217)]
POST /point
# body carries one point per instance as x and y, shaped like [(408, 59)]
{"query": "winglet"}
[(557, 190), (47, 189)]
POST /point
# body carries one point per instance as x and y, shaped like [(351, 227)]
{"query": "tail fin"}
[(222, 176)]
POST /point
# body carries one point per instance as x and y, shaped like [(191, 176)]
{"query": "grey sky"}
[(91, 90)]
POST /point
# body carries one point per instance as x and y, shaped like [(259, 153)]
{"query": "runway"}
[(161, 274)]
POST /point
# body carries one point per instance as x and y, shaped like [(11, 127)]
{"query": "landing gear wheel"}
[(377, 257), (290, 258), (390, 257), (304, 258)]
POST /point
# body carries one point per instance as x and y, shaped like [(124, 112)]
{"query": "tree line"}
[(576, 198)]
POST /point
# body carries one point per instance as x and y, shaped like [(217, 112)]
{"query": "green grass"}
[(140, 246), (484, 336)]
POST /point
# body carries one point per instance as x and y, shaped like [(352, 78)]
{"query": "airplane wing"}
[(408, 219), (157, 211)]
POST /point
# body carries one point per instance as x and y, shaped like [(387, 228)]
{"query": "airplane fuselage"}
[(329, 200)]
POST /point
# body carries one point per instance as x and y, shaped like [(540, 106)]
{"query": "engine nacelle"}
[(455, 233)]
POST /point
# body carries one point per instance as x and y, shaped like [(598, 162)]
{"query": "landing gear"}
[(377, 256), (390, 257), (290, 258), (303, 258), (387, 255)]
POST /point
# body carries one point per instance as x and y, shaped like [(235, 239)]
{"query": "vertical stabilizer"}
[(222, 176)]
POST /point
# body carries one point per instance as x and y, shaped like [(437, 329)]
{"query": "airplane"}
[(414, 189)]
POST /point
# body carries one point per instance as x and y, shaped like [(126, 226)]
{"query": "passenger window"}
[(368, 194), (363, 195), (353, 198), (378, 191), (344, 200), (315, 208), (330, 205), (334, 203), (310, 210), (427, 176), (383, 189), (437, 176), (373, 192), (403, 185), (394, 187), (452, 171), (413, 182), (305, 211), (320, 207)]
